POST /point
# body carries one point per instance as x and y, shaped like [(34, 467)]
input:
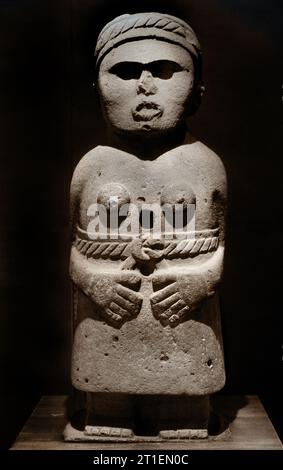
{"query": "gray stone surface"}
[(146, 310)]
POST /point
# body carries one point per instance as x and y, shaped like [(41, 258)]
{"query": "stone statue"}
[(147, 347)]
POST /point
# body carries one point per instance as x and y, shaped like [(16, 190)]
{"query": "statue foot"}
[(181, 434), (97, 433), (105, 432)]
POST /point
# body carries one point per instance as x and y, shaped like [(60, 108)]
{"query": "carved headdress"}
[(160, 26)]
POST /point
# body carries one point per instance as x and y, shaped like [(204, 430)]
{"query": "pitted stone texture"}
[(144, 357)]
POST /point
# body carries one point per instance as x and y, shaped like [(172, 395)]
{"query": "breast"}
[(168, 181)]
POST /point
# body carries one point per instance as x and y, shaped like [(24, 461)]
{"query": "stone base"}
[(250, 429)]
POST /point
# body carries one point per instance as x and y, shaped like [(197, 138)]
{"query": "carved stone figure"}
[(147, 344)]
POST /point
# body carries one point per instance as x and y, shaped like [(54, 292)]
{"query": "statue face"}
[(145, 86)]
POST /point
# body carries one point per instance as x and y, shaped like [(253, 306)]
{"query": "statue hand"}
[(116, 295), (180, 297)]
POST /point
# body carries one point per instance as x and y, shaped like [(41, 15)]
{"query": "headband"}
[(160, 26)]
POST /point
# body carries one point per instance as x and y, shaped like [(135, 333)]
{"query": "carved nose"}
[(146, 84)]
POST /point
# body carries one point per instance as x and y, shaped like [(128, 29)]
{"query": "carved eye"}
[(164, 69), (127, 70)]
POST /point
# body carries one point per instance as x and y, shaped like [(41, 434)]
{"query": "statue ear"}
[(195, 101)]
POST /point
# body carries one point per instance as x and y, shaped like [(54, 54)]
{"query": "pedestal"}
[(247, 428)]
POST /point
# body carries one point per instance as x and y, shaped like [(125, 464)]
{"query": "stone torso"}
[(145, 354)]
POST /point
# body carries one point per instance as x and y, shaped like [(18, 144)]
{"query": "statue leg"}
[(109, 416), (183, 417)]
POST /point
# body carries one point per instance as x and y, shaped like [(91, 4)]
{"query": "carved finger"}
[(164, 306), (128, 294), (119, 311), (184, 312), (174, 309), (124, 303), (178, 316), (157, 310), (164, 293), (116, 318), (171, 300)]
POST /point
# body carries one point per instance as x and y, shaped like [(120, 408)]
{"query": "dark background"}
[(49, 119)]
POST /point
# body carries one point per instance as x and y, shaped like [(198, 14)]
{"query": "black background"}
[(49, 119)]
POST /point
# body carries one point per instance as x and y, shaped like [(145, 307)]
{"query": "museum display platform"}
[(247, 428)]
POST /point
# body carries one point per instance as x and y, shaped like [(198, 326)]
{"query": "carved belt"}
[(192, 244)]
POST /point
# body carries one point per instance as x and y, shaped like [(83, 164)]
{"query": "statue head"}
[(148, 73)]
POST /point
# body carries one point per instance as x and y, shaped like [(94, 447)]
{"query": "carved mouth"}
[(147, 111), (147, 105)]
